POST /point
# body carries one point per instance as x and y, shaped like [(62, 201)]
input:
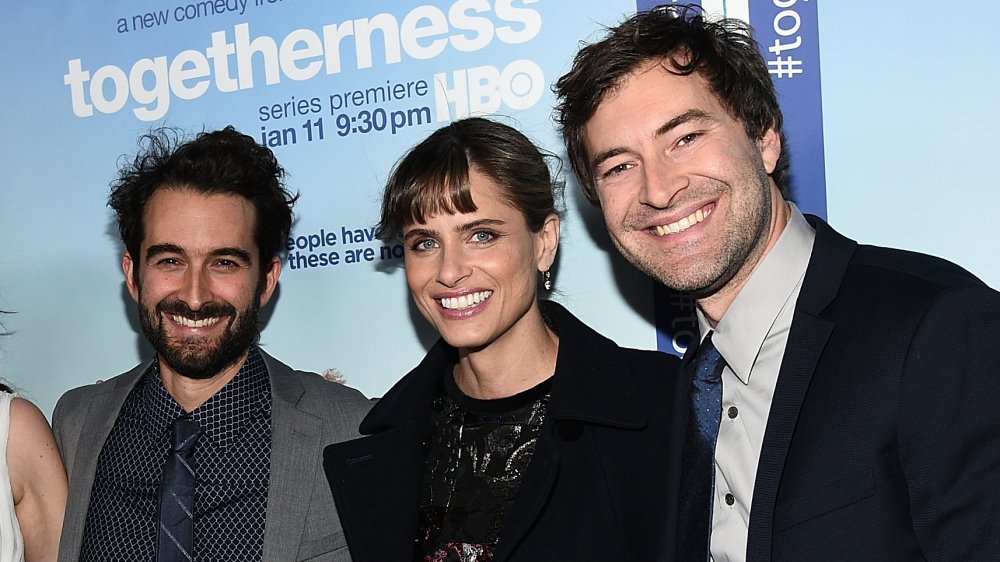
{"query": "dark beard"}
[(201, 359)]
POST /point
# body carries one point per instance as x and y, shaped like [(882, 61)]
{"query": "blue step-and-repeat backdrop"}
[(889, 108)]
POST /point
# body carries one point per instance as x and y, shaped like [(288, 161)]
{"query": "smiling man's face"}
[(684, 190), (198, 281)]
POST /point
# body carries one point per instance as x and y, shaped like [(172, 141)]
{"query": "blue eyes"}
[(480, 237)]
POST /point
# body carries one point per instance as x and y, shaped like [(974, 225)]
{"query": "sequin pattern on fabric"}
[(477, 453)]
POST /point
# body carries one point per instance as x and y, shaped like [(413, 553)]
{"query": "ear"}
[(270, 281), (548, 242), (770, 149), (128, 266)]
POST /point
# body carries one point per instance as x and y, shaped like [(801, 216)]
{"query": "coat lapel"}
[(532, 495), (581, 396), (806, 341)]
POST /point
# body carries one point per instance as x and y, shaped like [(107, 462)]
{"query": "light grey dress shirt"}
[(751, 337)]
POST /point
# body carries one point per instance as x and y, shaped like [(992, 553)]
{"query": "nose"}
[(453, 266), (195, 290), (661, 181)]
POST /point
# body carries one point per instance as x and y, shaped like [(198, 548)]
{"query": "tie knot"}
[(185, 435), (708, 362)]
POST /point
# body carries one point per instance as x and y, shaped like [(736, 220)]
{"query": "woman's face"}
[(474, 275)]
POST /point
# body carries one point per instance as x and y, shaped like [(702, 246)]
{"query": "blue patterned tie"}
[(176, 535), (698, 460)]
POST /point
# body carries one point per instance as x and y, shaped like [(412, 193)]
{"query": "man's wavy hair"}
[(723, 53), (216, 162)]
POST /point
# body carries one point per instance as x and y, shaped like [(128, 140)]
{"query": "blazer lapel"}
[(98, 419), (806, 341)]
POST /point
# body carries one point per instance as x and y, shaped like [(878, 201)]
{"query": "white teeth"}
[(683, 224), (194, 323), (465, 301)]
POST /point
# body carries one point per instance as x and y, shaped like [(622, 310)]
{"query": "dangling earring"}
[(547, 280)]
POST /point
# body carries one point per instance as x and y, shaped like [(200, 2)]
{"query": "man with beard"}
[(843, 405), (202, 223)]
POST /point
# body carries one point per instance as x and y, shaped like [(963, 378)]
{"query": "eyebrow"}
[(416, 232), (686, 117), (467, 227), (238, 253), (159, 249), (479, 223)]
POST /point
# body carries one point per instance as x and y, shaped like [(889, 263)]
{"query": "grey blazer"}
[(307, 412)]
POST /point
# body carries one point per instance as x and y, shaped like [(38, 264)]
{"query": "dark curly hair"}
[(433, 177), (723, 52), (216, 162)]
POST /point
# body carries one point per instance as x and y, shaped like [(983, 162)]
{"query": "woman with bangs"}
[(523, 434)]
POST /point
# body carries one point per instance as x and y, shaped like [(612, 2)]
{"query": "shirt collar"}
[(224, 416), (740, 334)]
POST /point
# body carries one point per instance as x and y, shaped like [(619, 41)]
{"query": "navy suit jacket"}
[(602, 484), (883, 440)]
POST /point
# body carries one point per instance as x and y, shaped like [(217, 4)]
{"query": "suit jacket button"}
[(730, 499)]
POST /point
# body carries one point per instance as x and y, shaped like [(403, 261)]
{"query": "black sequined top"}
[(477, 452)]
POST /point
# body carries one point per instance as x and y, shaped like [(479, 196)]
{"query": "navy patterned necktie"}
[(176, 534), (698, 460)]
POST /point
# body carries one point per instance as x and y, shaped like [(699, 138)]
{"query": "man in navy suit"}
[(860, 384)]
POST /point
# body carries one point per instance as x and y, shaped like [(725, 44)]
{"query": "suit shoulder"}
[(76, 395), (331, 400), (899, 290), (317, 385), (80, 396), (912, 268)]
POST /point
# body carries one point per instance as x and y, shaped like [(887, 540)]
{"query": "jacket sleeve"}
[(949, 431), (66, 426)]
